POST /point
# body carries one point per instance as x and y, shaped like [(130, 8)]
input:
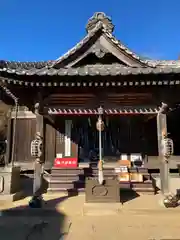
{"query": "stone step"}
[(66, 177), (75, 177), (66, 184), (59, 189), (58, 184), (70, 191), (149, 190), (136, 186), (87, 171)]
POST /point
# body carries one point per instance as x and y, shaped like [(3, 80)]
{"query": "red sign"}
[(66, 162)]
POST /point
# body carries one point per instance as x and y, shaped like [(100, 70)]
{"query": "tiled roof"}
[(101, 23), (165, 63), (93, 70), (108, 35), (78, 45), (23, 65), (120, 45)]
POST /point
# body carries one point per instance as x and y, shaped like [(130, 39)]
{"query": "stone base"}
[(161, 200), (12, 197), (108, 192), (10, 182), (101, 209)]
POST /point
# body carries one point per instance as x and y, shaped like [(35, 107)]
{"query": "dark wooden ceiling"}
[(92, 100)]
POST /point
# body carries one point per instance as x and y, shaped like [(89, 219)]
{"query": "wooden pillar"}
[(164, 169), (67, 140), (8, 139), (39, 162)]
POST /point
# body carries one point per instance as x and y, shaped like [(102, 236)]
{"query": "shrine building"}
[(99, 71)]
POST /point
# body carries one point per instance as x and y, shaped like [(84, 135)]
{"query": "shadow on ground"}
[(128, 195), (27, 185), (24, 223)]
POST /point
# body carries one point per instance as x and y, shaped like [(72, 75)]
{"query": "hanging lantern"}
[(100, 125), (167, 147), (36, 146)]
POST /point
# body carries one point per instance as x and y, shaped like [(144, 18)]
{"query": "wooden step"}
[(141, 185), (138, 170), (105, 175), (57, 171), (136, 184), (89, 171)]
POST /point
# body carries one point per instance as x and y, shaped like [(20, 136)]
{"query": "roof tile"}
[(93, 70)]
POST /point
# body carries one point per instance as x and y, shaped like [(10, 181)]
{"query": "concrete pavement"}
[(142, 217), (139, 218)]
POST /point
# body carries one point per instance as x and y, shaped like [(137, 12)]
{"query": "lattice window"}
[(59, 137)]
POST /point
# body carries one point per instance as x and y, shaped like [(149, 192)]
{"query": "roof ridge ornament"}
[(100, 17)]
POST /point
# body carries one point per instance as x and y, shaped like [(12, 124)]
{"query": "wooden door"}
[(50, 144), (25, 133)]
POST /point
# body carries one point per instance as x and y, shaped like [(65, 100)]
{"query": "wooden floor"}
[(152, 163)]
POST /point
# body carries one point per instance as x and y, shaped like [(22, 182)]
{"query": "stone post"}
[(38, 164), (161, 132)]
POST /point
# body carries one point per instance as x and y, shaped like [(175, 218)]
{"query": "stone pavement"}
[(64, 218)]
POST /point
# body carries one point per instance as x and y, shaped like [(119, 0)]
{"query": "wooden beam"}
[(9, 140), (50, 118), (150, 117)]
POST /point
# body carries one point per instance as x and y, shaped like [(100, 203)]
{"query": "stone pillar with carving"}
[(161, 133), (37, 151)]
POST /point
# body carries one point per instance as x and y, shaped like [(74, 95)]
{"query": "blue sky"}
[(45, 29)]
